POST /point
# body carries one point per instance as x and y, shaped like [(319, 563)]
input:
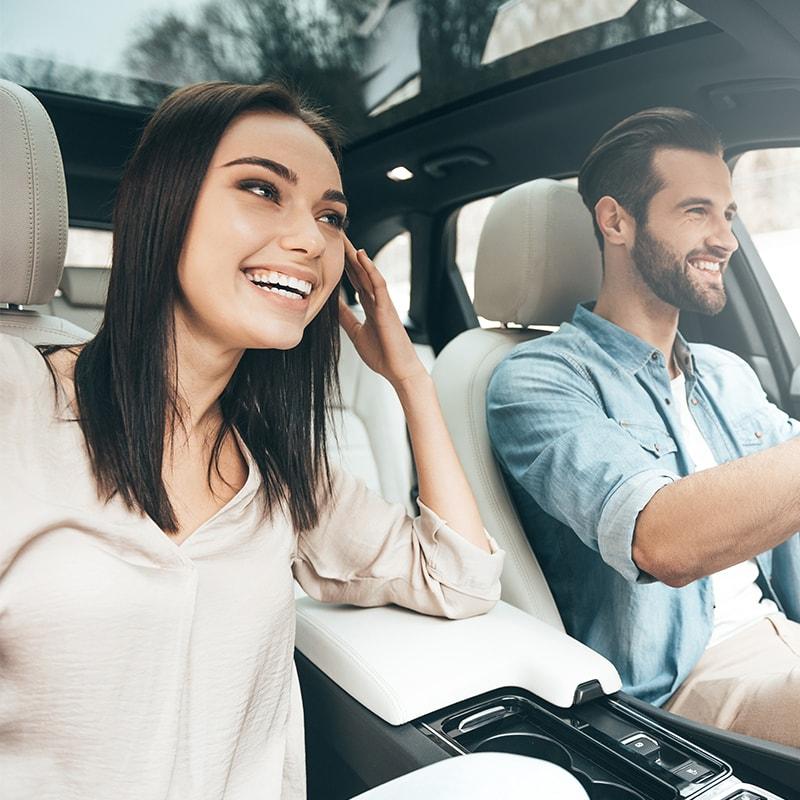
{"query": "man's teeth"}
[(711, 266), (272, 281)]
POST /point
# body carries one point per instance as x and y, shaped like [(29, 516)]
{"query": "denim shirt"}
[(585, 430)]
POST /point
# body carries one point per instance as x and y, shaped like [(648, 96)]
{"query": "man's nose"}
[(722, 237)]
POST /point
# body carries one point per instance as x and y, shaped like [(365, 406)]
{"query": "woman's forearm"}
[(443, 486)]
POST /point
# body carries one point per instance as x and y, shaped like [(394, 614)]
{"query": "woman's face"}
[(265, 246)]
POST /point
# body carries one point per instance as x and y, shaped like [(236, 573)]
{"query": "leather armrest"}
[(402, 665)]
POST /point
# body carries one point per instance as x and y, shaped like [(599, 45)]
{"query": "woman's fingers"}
[(358, 280), (358, 275), (377, 280), (347, 319)]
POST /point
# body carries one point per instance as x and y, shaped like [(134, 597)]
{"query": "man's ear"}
[(615, 223)]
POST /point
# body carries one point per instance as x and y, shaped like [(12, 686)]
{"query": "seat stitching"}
[(31, 230), (62, 202)]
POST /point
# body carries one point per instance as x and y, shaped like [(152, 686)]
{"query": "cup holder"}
[(600, 790), (527, 744), (535, 746)]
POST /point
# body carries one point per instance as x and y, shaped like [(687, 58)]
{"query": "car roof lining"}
[(537, 126)]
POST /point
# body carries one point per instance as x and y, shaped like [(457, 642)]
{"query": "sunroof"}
[(373, 63)]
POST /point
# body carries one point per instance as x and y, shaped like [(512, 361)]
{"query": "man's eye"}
[(698, 211), (334, 220), (261, 189)]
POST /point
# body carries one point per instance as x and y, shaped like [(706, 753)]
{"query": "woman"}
[(155, 514)]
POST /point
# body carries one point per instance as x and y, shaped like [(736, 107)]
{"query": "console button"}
[(692, 771), (644, 745), (745, 795)]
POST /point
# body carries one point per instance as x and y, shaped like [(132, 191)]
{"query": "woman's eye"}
[(261, 189), (334, 220)]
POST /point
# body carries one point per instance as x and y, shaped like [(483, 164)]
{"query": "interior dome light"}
[(400, 174)]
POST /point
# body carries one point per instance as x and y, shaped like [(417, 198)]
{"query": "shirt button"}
[(654, 356), (656, 448), (759, 434), (668, 401), (695, 401)]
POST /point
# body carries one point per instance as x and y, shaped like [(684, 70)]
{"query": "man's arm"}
[(553, 437), (720, 517)]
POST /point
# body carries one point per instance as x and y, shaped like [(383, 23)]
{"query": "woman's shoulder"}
[(19, 360), (24, 369)]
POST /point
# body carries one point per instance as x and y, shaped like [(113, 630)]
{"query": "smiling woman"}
[(259, 219), (148, 624)]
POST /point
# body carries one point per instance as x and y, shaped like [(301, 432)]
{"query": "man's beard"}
[(670, 278)]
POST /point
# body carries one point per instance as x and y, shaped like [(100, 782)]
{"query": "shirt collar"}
[(627, 349)]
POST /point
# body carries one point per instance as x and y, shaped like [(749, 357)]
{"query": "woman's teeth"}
[(277, 282)]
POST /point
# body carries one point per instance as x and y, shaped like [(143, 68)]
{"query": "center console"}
[(508, 683), (615, 752)]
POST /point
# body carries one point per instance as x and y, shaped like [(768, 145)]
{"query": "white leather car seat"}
[(537, 258), (33, 210), (82, 297), (371, 430)]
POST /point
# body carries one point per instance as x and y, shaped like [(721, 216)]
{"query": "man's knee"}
[(767, 706)]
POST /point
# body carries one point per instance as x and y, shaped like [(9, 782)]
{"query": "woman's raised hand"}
[(381, 339)]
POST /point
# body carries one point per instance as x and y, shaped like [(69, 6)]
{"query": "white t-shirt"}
[(738, 601)]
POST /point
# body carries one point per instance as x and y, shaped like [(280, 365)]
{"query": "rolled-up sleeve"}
[(618, 521), (368, 552), (554, 439)]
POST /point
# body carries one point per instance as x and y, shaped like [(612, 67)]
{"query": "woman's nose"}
[(303, 235)]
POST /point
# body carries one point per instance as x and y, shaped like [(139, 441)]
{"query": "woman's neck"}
[(204, 370)]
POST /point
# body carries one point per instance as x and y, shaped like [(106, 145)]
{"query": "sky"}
[(79, 32)]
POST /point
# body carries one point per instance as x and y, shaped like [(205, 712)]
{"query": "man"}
[(658, 486)]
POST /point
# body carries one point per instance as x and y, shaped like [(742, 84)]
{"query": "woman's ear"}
[(614, 221)]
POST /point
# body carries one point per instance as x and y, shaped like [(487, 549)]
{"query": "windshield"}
[(374, 63)]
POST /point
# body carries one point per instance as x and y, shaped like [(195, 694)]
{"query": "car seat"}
[(33, 207), (371, 440), (537, 258), (82, 298)]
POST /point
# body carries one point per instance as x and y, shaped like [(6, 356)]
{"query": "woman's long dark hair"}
[(125, 381)]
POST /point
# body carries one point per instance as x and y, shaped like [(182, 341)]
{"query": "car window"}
[(766, 184), (394, 262), (376, 62)]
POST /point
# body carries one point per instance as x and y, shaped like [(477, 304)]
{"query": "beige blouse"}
[(131, 667)]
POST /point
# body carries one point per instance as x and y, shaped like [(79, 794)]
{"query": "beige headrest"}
[(86, 286), (537, 256), (33, 200)]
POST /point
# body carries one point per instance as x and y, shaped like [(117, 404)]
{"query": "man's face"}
[(683, 249)]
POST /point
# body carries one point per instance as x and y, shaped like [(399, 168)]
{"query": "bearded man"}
[(659, 488)]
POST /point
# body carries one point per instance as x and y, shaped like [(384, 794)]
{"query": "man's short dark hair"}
[(620, 164)]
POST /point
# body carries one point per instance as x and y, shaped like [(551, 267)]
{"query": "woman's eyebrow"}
[(282, 171), (335, 196), (273, 166)]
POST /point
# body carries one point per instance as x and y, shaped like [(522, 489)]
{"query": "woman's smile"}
[(294, 296)]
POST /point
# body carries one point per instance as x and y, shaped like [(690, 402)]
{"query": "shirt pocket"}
[(655, 441), (752, 432)]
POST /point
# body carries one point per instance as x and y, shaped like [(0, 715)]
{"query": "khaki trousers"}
[(748, 683)]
